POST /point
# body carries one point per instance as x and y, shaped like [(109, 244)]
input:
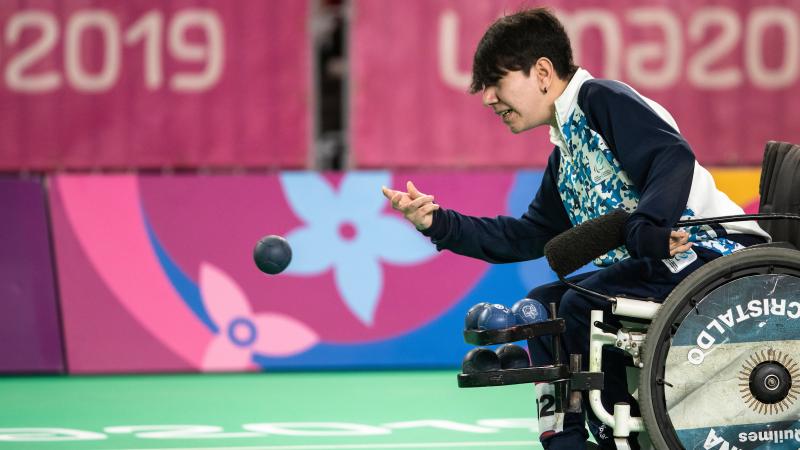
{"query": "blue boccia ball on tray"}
[(471, 320), (528, 310), (496, 317)]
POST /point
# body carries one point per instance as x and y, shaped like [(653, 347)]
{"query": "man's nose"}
[(489, 95)]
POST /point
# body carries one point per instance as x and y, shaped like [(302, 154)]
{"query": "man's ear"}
[(544, 72)]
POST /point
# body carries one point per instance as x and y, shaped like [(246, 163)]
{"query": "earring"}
[(544, 91)]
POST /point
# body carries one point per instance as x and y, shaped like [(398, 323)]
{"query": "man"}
[(614, 149)]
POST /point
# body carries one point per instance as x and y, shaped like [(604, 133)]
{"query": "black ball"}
[(272, 254), (480, 360), (513, 356)]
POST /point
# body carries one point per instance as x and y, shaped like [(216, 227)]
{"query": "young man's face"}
[(519, 101)]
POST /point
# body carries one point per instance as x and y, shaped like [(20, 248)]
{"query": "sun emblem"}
[(769, 381)]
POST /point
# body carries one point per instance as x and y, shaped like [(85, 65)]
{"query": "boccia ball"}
[(528, 311), (513, 356), (496, 317), (480, 360), (272, 254), (471, 320)]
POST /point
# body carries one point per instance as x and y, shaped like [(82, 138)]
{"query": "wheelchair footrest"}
[(585, 381), (542, 374), (515, 333)]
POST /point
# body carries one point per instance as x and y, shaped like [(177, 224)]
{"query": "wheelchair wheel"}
[(722, 356)]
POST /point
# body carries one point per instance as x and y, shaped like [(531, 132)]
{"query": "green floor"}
[(291, 411)]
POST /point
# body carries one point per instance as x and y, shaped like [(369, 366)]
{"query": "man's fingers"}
[(427, 209), (413, 191), (397, 199), (680, 249), (388, 193), (420, 201), (676, 242), (677, 238)]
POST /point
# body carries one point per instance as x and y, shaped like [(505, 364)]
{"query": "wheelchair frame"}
[(570, 381)]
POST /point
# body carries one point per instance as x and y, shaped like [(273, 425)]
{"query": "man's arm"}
[(656, 158), (501, 239)]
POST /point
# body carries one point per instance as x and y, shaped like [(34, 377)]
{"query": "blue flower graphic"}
[(347, 231)]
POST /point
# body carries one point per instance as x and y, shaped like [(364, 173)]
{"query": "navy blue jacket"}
[(614, 149)]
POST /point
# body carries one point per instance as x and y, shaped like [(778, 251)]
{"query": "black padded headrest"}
[(780, 190)]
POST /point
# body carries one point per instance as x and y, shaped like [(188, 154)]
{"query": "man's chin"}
[(517, 129)]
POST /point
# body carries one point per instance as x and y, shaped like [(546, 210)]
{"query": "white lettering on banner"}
[(185, 50), (760, 20), (104, 27), (714, 32), (605, 21), (15, 70), (149, 29), (699, 69), (305, 429), (670, 51), (448, 52), (78, 77), (736, 315)]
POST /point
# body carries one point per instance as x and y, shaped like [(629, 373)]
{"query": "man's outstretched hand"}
[(417, 207)]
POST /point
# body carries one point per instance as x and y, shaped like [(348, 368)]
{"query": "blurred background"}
[(147, 145)]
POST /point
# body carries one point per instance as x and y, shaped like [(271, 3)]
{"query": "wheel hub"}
[(770, 382), (767, 381)]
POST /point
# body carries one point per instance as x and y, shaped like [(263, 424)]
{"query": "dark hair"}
[(515, 42)]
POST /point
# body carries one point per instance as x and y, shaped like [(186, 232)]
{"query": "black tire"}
[(751, 261)]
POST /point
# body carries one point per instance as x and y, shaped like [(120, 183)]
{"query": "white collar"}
[(565, 102)]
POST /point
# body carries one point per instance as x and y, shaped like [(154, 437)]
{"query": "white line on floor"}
[(364, 446)]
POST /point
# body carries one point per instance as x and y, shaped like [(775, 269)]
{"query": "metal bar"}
[(737, 218), (575, 397)]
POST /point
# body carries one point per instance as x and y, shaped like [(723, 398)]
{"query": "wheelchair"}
[(719, 362)]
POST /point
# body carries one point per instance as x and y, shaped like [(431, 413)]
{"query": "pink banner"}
[(727, 70), (154, 83), (156, 273)]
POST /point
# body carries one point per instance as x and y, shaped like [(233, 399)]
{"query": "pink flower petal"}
[(223, 298), (222, 355), (281, 335)]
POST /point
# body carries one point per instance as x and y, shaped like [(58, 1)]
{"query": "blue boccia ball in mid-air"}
[(528, 310), (496, 317), (272, 254), (471, 320)]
